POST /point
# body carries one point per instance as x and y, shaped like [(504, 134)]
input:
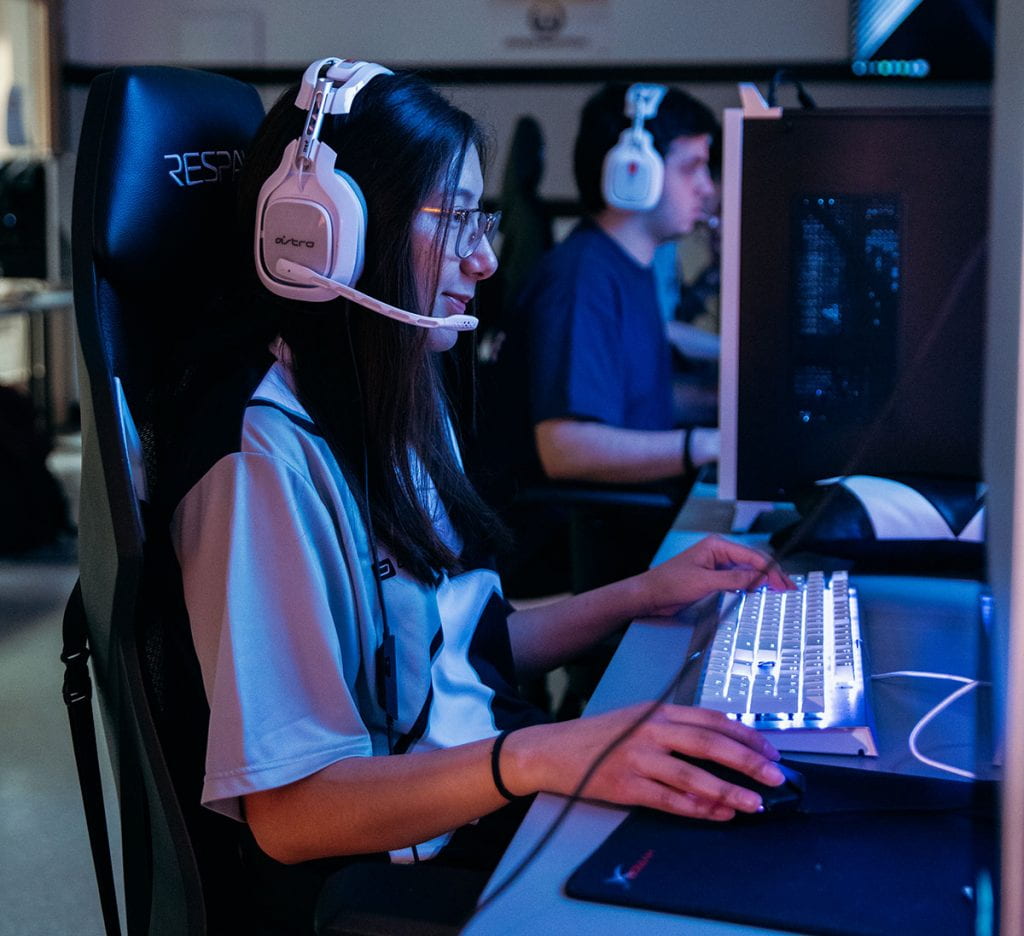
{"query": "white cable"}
[(912, 741), (969, 684), (923, 675)]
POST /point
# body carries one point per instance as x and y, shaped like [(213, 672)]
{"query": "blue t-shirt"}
[(596, 346)]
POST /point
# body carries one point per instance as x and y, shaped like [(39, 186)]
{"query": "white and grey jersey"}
[(283, 607)]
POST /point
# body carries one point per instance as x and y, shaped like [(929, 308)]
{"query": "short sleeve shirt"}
[(596, 346), (276, 568)]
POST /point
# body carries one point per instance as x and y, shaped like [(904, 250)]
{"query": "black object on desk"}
[(867, 854), (783, 798)]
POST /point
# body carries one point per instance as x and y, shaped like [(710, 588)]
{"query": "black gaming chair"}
[(152, 229), (153, 211)]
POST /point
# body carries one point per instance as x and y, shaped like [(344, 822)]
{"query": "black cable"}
[(577, 793), (371, 537), (367, 517), (784, 77)]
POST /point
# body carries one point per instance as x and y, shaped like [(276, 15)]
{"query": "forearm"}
[(692, 342), (371, 804), (362, 805), (587, 451), (548, 635)]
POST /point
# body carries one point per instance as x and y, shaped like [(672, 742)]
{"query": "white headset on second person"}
[(633, 171)]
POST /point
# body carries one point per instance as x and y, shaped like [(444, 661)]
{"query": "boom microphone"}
[(300, 275)]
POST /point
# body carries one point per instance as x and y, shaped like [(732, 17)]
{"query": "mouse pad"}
[(889, 855)]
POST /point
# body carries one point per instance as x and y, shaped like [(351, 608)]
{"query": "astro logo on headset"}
[(294, 242)]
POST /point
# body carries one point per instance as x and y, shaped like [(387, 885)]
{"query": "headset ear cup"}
[(316, 219), (351, 214), (313, 216), (633, 173)]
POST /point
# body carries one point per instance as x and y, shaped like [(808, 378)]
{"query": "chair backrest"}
[(527, 224), (526, 233), (152, 236)]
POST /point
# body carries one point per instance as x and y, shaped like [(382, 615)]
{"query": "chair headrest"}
[(172, 143)]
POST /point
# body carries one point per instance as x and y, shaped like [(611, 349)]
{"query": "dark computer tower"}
[(853, 297)]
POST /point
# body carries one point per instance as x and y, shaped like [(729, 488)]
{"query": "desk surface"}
[(910, 623)]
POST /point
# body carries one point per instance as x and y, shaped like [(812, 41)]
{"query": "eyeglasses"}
[(474, 225)]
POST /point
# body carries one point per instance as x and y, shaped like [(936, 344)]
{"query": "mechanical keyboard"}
[(791, 663)]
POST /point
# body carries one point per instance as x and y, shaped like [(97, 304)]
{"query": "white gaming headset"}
[(311, 217), (633, 171)]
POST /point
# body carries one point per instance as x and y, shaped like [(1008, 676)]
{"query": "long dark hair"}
[(371, 385)]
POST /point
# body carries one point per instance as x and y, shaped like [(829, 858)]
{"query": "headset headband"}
[(643, 101), (343, 75), (329, 86)]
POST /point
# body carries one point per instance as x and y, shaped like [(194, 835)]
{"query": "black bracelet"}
[(496, 767), (688, 466)]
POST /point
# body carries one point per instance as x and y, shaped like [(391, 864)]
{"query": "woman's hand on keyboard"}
[(643, 768), (714, 564)]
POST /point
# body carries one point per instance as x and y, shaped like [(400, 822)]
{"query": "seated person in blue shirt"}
[(358, 658), (585, 372)]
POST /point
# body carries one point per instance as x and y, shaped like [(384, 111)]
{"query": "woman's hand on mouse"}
[(641, 770)]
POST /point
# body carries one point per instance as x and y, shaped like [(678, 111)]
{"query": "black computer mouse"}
[(783, 798)]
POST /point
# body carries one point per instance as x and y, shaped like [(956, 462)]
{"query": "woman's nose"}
[(482, 262)]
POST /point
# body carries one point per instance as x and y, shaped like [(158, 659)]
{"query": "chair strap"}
[(77, 692)]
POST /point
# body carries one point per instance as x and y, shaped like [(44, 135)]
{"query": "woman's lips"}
[(456, 304)]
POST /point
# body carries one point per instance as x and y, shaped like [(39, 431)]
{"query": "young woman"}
[(359, 661)]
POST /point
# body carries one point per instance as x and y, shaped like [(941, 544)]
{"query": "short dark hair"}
[(604, 118)]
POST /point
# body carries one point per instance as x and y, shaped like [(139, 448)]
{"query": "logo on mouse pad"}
[(625, 879)]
